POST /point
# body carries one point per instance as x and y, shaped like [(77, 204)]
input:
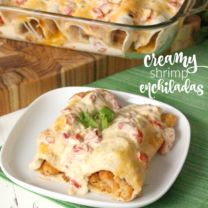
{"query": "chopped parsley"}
[(100, 119)]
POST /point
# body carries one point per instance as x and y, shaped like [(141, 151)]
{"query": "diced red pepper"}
[(68, 11), (98, 133), (78, 136), (143, 157), (66, 135), (50, 140), (121, 125), (77, 148), (20, 1), (75, 183), (156, 123), (97, 12), (70, 118), (150, 15), (82, 94), (93, 98), (139, 136), (1, 21)]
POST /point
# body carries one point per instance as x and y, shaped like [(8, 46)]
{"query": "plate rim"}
[(85, 201)]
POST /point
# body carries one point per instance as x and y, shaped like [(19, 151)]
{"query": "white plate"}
[(20, 148)]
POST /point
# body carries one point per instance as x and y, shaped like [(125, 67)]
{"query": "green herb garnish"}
[(105, 116), (87, 120), (100, 119)]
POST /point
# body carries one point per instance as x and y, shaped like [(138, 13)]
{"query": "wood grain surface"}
[(28, 70)]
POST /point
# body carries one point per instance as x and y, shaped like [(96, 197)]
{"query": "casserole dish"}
[(125, 35)]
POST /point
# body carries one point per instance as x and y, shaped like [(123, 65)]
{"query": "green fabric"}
[(191, 187)]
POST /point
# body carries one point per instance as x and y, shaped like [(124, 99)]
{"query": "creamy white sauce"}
[(92, 151)]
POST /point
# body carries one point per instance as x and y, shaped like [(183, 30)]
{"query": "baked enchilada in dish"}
[(93, 35), (136, 12), (97, 145)]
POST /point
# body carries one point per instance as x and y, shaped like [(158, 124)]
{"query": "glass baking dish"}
[(115, 39)]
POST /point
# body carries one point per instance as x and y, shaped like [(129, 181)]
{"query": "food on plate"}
[(97, 145), (94, 35)]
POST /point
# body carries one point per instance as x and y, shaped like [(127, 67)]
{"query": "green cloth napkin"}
[(191, 187)]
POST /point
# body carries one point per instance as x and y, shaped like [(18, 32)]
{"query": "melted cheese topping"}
[(120, 11), (125, 148)]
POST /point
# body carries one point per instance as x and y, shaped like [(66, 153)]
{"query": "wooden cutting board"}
[(28, 70)]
